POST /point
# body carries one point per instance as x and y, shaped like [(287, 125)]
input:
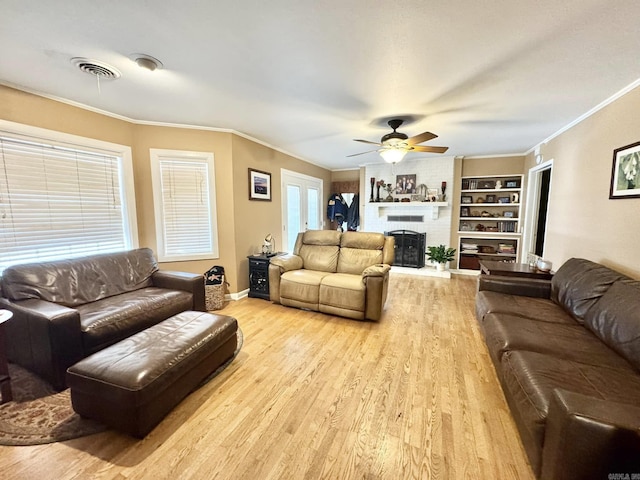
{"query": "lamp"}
[(393, 155)]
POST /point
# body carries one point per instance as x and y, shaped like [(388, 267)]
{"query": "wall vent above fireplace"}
[(405, 218)]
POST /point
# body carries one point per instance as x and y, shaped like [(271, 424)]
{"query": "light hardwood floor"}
[(311, 396)]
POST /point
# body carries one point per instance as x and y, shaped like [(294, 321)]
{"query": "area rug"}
[(38, 414)]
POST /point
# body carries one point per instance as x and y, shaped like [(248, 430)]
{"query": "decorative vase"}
[(378, 193), (373, 182)]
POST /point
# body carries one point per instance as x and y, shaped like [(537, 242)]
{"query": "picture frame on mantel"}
[(259, 185), (625, 172)]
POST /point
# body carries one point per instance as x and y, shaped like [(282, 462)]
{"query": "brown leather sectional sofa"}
[(66, 310), (343, 274), (567, 353)]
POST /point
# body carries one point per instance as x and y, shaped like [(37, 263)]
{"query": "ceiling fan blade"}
[(361, 153), (367, 141), (423, 137), (426, 148)]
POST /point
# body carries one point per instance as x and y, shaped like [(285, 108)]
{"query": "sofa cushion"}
[(535, 308), (580, 283), (504, 332), (358, 251), (112, 319), (322, 258), (302, 285), (615, 319), (343, 290), (82, 280)]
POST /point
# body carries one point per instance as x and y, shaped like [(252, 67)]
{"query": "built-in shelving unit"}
[(490, 219)]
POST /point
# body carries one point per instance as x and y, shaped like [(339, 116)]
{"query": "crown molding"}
[(616, 96), (156, 124)]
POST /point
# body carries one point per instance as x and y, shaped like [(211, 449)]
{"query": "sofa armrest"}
[(587, 438), (528, 287), (377, 270), (287, 262), (44, 337), (189, 282)]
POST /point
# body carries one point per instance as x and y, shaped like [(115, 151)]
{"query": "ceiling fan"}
[(395, 145)]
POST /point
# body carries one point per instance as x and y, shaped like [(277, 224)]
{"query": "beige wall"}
[(583, 221), (255, 219), (242, 224)]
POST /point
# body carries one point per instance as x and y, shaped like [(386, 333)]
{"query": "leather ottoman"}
[(132, 385)]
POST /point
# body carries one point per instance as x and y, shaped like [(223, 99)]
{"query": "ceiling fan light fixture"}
[(393, 155)]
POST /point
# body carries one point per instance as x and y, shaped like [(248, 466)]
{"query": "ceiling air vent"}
[(95, 68)]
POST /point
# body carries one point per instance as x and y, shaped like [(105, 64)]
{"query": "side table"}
[(5, 379), (259, 275), (507, 269)]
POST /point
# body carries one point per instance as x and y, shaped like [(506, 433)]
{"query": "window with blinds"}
[(184, 205), (59, 201)]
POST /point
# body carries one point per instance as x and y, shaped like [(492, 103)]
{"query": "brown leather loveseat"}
[(567, 353), (66, 310), (343, 274)]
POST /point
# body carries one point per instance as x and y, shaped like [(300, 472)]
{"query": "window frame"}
[(158, 154), (122, 152)]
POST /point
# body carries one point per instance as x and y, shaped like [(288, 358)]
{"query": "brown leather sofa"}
[(567, 353), (66, 310), (343, 274)]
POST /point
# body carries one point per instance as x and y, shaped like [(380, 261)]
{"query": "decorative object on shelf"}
[(508, 214), (389, 188), (422, 190), (625, 172), (480, 227), (379, 184), (512, 184), (485, 214), (498, 185), (417, 198), (432, 194), (405, 200), (405, 184), (486, 184), (491, 198), (504, 199), (440, 255), (515, 197), (465, 227), (464, 211), (373, 183), (267, 245), (259, 185), (544, 265), (443, 188), (480, 200), (466, 199)]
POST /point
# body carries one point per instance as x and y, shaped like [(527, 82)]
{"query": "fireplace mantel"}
[(433, 206)]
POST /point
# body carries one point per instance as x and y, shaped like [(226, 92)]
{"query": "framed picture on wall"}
[(259, 185), (625, 172)]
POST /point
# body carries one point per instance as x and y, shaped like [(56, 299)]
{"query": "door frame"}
[(285, 177), (533, 207)]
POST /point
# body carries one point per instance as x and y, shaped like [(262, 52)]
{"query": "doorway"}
[(301, 206), (539, 188)]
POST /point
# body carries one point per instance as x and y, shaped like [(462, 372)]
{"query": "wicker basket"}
[(214, 296)]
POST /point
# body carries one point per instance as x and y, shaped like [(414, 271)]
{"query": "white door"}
[(301, 206)]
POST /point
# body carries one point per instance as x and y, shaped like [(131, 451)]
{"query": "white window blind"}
[(58, 202), (184, 198)]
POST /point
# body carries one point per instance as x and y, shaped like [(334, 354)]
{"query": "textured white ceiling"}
[(492, 77)]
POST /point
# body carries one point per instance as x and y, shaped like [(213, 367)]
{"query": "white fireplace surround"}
[(437, 217)]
